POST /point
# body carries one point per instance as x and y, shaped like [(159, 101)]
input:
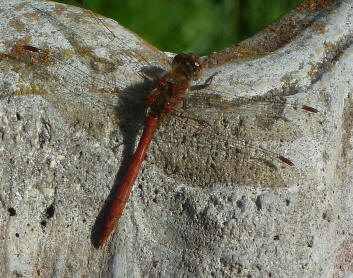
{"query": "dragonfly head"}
[(189, 64)]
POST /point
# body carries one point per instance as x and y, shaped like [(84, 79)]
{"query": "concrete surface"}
[(204, 203)]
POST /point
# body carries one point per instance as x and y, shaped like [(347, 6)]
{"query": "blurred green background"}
[(201, 26)]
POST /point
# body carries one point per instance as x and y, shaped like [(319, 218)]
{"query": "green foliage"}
[(201, 26)]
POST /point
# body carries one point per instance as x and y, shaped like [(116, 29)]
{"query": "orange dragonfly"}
[(258, 165)]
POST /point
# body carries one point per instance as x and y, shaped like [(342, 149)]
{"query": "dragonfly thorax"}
[(171, 89)]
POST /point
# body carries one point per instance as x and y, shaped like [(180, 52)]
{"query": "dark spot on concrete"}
[(240, 204), (258, 202), (12, 211), (50, 211), (43, 223), (18, 116), (310, 242)]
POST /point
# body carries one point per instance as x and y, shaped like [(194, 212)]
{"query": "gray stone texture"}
[(199, 207)]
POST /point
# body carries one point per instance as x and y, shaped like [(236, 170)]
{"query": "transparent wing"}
[(242, 147), (79, 69)]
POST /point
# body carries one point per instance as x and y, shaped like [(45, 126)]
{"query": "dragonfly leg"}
[(204, 85)]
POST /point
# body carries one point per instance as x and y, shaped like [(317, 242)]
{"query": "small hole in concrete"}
[(12, 211), (50, 211)]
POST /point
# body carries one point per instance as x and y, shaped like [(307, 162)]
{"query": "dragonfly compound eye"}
[(189, 63), (197, 69), (178, 59), (194, 65)]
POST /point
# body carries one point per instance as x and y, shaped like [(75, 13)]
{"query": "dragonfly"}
[(232, 156)]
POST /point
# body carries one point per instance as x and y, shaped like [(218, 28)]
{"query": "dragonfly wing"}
[(220, 150)]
